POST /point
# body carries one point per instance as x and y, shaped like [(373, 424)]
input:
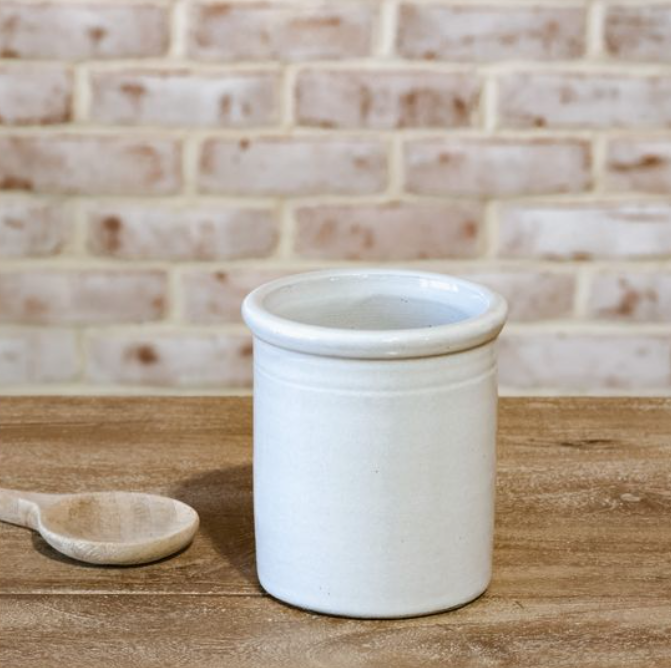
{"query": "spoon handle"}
[(22, 508)]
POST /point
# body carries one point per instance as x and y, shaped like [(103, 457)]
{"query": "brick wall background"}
[(159, 159)]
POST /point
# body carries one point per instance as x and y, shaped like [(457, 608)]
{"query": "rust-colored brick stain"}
[(159, 160)]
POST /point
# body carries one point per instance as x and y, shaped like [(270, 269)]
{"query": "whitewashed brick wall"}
[(160, 159)]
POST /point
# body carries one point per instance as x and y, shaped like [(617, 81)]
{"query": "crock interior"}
[(376, 302)]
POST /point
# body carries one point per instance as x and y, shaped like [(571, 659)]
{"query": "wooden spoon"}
[(104, 527)]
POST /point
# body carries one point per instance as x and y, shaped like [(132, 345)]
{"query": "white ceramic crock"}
[(374, 439)]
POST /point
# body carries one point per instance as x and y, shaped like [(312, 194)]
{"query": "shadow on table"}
[(223, 500)]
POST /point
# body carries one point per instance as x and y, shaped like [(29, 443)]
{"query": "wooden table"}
[(582, 573)]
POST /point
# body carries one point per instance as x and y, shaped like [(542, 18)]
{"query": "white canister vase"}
[(374, 439)]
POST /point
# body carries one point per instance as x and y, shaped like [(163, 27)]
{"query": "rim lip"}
[(374, 343)]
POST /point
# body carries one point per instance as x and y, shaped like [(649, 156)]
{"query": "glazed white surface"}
[(374, 478), (374, 313)]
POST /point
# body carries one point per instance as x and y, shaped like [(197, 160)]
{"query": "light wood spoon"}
[(104, 527)]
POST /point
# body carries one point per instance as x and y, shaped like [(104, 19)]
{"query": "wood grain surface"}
[(582, 573)]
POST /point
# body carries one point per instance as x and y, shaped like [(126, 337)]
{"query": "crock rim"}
[(312, 339)]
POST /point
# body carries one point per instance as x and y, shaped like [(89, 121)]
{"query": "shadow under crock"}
[(223, 500)]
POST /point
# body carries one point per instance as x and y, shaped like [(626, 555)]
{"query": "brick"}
[(38, 356), (496, 167), (584, 101), (280, 31), (32, 95), (293, 166), (639, 165), (642, 296), (66, 297), (182, 97), (216, 296), (579, 362), (200, 233), (585, 231), (531, 295), (388, 232), (638, 33), (386, 99), (487, 33), (89, 165), (173, 360), (32, 229), (82, 31)]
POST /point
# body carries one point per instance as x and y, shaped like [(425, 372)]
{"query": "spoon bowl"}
[(117, 528)]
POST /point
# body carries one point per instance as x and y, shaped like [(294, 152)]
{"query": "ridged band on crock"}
[(374, 344)]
